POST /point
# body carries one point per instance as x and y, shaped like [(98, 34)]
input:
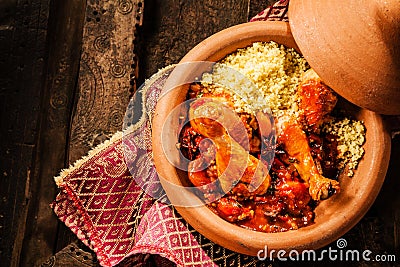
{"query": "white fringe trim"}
[(65, 172)]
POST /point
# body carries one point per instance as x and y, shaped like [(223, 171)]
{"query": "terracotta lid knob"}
[(354, 46)]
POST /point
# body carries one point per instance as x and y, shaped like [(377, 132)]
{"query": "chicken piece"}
[(316, 100), (234, 126), (295, 143), (235, 165)]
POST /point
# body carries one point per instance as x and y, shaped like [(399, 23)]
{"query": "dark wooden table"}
[(67, 71)]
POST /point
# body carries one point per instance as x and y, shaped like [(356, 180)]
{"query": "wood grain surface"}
[(63, 53), (23, 35), (105, 73), (106, 79), (67, 70)]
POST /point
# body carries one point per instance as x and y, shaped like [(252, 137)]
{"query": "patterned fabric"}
[(102, 203), (276, 12)]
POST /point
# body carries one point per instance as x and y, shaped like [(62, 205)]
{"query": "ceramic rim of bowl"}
[(334, 216)]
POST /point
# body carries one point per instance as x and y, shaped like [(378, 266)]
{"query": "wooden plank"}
[(256, 6), (105, 73), (386, 207), (172, 28), (23, 33), (72, 255), (65, 31), (107, 78)]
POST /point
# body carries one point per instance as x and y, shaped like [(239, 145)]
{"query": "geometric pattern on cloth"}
[(108, 211)]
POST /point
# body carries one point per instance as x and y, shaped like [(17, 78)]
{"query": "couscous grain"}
[(263, 76), (350, 137)]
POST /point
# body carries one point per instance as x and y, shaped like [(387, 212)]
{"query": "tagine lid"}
[(354, 47)]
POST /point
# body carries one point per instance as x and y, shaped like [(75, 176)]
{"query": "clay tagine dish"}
[(354, 46), (333, 216)]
